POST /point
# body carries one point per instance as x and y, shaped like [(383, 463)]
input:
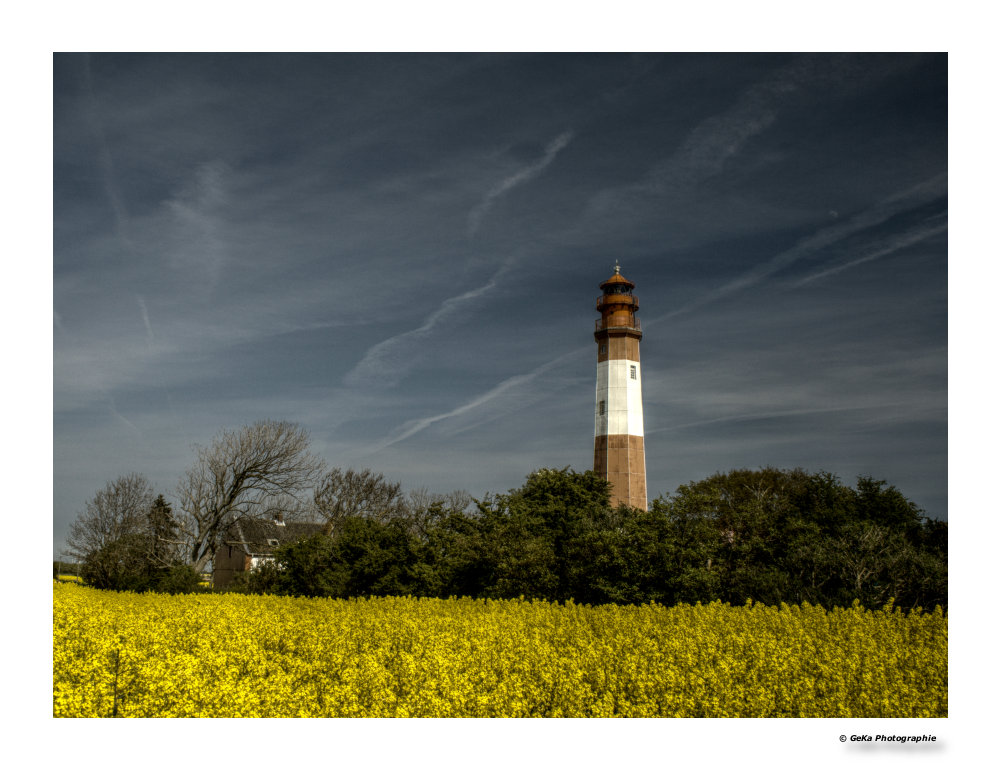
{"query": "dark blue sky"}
[(402, 253)]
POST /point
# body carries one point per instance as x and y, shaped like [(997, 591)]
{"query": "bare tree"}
[(113, 530), (241, 474), (290, 508), (459, 500), (424, 508), (351, 493), (456, 500), (872, 561)]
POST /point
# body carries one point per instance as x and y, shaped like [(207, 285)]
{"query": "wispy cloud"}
[(199, 247), (766, 415), (387, 362), (150, 337), (720, 137), (121, 418), (715, 140), (104, 155), (412, 427), (711, 144), (518, 178), (409, 428), (909, 199), (881, 249)]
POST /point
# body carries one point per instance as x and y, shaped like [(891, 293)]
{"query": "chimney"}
[(279, 519)]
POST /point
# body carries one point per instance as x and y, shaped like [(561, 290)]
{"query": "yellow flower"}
[(155, 655)]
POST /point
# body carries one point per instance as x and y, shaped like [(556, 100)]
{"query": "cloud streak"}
[(881, 249), (387, 362), (199, 247), (518, 178), (412, 427), (709, 146), (150, 337), (767, 415), (878, 214), (104, 156)]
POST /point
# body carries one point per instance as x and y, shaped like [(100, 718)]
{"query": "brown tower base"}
[(621, 459)]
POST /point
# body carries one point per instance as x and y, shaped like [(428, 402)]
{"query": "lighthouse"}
[(619, 453)]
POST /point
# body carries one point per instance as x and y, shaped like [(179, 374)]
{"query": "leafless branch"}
[(351, 493), (242, 474)]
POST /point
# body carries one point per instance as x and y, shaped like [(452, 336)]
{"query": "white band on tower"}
[(619, 387)]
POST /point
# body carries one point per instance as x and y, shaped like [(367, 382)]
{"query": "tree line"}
[(769, 535)]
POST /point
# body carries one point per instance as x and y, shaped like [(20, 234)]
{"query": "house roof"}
[(261, 536)]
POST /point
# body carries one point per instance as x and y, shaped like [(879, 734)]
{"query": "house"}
[(249, 542)]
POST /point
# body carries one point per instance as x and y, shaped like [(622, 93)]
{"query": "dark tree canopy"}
[(125, 539), (768, 535), (110, 538), (792, 536)]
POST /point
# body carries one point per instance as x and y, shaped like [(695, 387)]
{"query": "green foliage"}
[(885, 506), (794, 537), (125, 565), (379, 557), (119, 565), (769, 535), (540, 536), (452, 556), (126, 540), (162, 529), (307, 567), (176, 579), (363, 557)]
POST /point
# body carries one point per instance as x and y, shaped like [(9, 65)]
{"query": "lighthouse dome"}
[(617, 283)]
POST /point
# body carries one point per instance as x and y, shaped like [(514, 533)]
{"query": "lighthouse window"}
[(600, 407), (632, 371), (604, 348)]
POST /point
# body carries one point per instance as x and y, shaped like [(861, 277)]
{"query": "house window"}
[(632, 371), (600, 407), (272, 541)]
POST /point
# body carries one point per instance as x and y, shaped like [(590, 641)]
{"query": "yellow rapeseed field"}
[(205, 655)]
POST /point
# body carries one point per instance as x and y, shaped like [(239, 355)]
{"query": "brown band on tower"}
[(621, 459), (618, 346)]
